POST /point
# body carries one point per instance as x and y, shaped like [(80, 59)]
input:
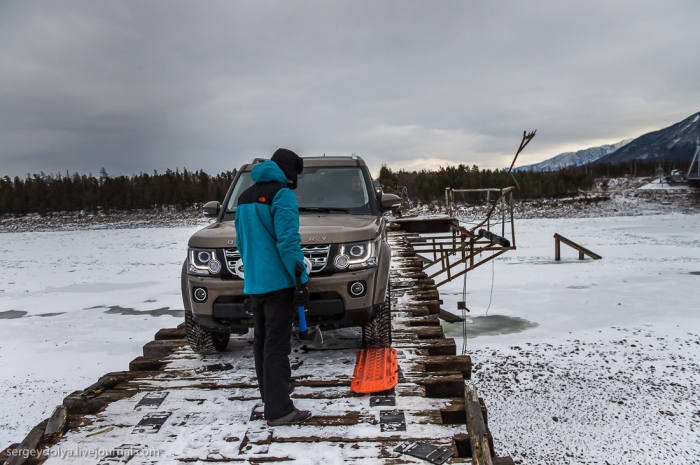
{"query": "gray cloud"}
[(135, 86)]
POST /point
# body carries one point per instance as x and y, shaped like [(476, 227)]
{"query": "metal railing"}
[(466, 248)]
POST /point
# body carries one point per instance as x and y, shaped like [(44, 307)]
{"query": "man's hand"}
[(301, 296)]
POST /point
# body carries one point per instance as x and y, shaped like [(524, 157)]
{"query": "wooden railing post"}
[(582, 251)]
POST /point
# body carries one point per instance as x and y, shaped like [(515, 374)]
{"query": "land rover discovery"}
[(343, 237)]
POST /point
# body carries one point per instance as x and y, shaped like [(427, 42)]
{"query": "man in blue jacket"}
[(267, 236)]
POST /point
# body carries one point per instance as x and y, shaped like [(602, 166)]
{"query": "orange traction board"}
[(375, 370)]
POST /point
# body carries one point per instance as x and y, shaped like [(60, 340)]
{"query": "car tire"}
[(377, 332), (202, 341)]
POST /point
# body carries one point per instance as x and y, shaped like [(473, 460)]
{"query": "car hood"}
[(314, 229)]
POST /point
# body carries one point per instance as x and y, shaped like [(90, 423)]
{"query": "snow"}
[(610, 371), (604, 367), (66, 317), (664, 186)]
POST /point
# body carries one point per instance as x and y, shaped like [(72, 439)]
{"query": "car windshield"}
[(336, 189)]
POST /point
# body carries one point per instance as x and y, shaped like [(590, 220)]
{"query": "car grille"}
[(317, 254)]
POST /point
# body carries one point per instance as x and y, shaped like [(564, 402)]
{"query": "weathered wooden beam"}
[(104, 383), (445, 384), (433, 346), (57, 423), (422, 332), (147, 364), (77, 404), (494, 238), (481, 453), (441, 363), (26, 449), (449, 316), (167, 334), (582, 250), (163, 348), (430, 320)]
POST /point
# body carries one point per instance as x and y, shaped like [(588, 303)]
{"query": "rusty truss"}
[(448, 249)]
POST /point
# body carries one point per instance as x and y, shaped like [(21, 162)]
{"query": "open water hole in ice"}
[(490, 325)]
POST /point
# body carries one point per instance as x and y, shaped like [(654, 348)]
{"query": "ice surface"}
[(609, 372), (60, 290)]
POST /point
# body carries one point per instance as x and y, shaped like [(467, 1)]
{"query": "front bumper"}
[(330, 305)]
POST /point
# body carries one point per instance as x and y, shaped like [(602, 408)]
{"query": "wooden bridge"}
[(173, 406)]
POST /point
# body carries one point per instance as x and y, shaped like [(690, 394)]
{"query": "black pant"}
[(274, 314)]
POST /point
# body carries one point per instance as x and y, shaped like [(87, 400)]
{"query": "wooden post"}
[(512, 221), (558, 239), (448, 204), (481, 454)]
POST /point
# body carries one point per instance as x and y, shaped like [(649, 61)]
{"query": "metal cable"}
[(464, 312), (493, 264)]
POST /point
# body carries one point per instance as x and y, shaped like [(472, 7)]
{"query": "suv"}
[(343, 237)]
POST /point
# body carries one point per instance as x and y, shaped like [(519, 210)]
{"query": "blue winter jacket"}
[(267, 232)]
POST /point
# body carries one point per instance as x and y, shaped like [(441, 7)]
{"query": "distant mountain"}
[(566, 159), (674, 143)]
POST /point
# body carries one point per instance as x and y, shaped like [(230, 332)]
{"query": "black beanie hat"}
[(291, 165)]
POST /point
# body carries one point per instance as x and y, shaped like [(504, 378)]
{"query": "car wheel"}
[(202, 341), (377, 332)]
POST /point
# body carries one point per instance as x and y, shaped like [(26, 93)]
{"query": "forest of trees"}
[(41, 193), (430, 185)]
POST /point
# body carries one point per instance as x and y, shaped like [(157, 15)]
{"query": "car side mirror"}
[(389, 202), (211, 209)]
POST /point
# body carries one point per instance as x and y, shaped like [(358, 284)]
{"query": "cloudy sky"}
[(134, 86)]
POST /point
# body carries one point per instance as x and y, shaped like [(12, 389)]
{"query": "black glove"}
[(301, 296)]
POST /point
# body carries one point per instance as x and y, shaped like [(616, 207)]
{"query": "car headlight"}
[(203, 262), (356, 255)]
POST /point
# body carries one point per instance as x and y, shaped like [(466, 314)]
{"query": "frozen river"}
[(594, 359)]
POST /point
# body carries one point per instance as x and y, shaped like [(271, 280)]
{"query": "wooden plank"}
[(27, 448), (422, 332), (163, 348), (438, 385), (167, 334), (449, 316), (57, 423), (147, 364), (558, 237), (433, 346), (429, 320), (481, 453), (442, 363), (77, 404)]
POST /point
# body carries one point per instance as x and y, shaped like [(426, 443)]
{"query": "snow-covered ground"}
[(598, 360), (610, 372), (75, 305)]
